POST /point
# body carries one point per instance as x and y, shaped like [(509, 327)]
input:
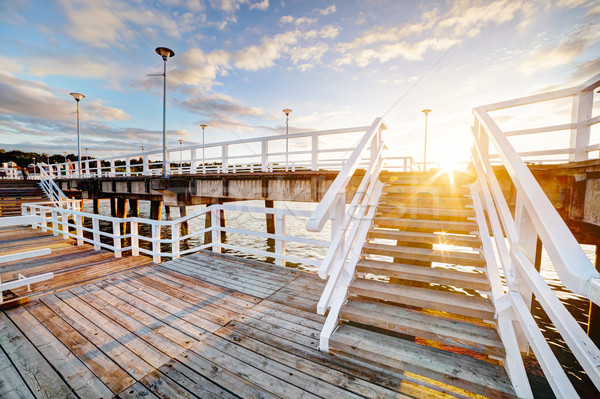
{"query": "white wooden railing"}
[(10, 174), (318, 150), (349, 225), (534, 217), (71, 223), (52, 190)]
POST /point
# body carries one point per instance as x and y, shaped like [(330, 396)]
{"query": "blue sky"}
[(238, 63)]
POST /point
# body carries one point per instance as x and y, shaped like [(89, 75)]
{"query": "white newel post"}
[(116, 230), (193, 161), (264, 156), (215, 224), (145, 166), (127, 166), (99, 168), (580, 135), (54, 222), (175, 237), (526, 242), (155, 243), (135, 243), (315, 153), (224, 158), (112, 167), (78, 228), (280, 232), (96, 233), (65, 225)]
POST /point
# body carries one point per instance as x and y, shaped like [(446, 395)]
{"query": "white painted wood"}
[(544, 129), (116, 234), (156, 243), (280, 232), (24, 255), (19, 220), (215, 221), (135, 242), (175, 229), (78, 229), (22, 282), (580, 134), (537, 98)]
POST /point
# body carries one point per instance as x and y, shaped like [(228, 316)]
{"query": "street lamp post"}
[(34, 166), (426, 112), (203, 126), (78, 97), (87, 161), (180, 152), (165, 53), (286, 111)]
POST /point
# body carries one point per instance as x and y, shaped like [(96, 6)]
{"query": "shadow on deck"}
[(201, 326)]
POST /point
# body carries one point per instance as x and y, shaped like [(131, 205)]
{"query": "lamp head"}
[(180, 141), (164, 52), (287, 111), (426, 111), (203, 126), (77, 96)]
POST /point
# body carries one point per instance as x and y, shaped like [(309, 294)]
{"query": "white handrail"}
[(49, 186), (324, 210), (534, 217)]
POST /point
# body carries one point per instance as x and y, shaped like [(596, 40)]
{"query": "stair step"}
[(453, 369), (436, 275), (425, 254), (448, 226), (424, 212), (415, 201), (475, 337), (435, 191), (445, 301), (426, 238)]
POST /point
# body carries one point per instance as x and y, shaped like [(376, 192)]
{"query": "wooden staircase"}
[(419, 303), (15, 192)]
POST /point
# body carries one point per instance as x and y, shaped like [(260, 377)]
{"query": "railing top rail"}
[(572, 265), (321, 213)]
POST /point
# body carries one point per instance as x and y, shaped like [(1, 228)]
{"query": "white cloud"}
[(325, 11), (262, 5), (312, 53), (265, 54), (329, 32)]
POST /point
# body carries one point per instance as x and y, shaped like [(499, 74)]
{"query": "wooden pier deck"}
[(206, 325)]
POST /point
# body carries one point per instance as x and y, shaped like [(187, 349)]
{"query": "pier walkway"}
[(200, 326)]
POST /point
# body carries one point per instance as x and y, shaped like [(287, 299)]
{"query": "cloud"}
[(262, 5), (36, 99), (311, 53), (325, 11), (220, 104), (264, 55)]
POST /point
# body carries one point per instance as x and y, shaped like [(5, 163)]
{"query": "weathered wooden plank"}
[(101, 365), (134, 327), (157, 312), (39, 376), (137, 391), (194, 382), (118, 352), (164, 387), (142, 349), (315, 369), (223, 377), (12, 386), (79, 377)]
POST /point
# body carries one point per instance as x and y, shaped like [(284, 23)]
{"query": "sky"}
[(239, 63)]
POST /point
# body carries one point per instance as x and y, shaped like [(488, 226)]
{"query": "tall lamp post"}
[(165, 53), (203, 126), (287, 111), (78, 97), (426, 112), (34, 166), (180, 152)]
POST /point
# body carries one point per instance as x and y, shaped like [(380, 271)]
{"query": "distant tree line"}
[(22, 159)]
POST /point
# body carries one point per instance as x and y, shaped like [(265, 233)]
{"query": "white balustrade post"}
[(526, 241), (78, 228), (116, 230), (87, 168), (483, 141), (193, 161), (98, 168), (65, 224), (580, 135), (338, 214), (175, 237), (264, 163), (54, 222), (315, 153), (145, 166), (279, 241), (224, 158), (135, 242), (215, 224), (96, 233), (127, 166), (44, 215), (112, 167), (155, 243), (375, 145)]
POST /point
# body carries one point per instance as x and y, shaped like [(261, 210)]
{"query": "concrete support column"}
[(167, 211), (96, 206), (113, 207), (270, 217)]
